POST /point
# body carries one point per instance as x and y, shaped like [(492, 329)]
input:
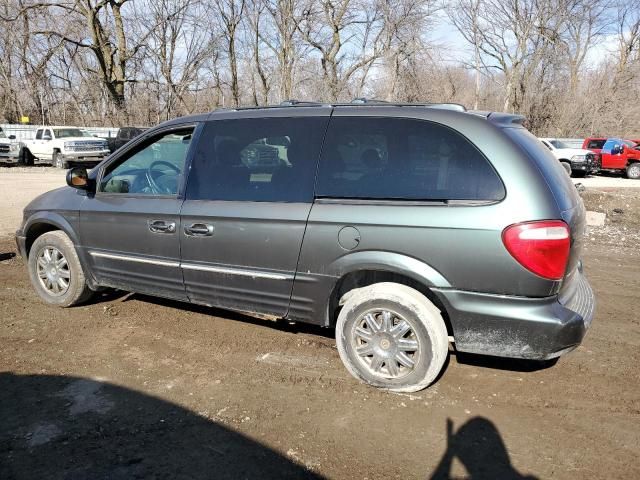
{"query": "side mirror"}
[(78, 177), (12, 137), (46, 137)]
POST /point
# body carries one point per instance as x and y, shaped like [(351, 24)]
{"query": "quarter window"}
[(257, 160), (391, 158), (154, 168)]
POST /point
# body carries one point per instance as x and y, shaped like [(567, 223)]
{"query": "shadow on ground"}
[(7, 256), (75, 428), (478, 446)]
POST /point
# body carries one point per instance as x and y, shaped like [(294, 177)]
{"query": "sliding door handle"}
[(160, 226), (199, 230)]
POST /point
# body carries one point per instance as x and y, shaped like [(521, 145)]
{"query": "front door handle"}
[(199, 230), (160, 226)]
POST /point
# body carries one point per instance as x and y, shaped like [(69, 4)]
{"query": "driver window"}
[(154, 168)]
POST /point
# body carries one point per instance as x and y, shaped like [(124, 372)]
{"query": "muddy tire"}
[(56, 272), (633, 170), (392, 337)]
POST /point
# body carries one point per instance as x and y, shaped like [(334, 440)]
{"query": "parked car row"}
[(597, 154), (62, 146)]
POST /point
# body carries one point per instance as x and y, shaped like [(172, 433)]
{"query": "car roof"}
[(293, 108)]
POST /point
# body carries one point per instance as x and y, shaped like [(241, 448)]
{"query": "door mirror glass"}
[(78, 177), (46, 136)]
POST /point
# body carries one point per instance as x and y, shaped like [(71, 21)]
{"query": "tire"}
[(567, 167), (391, 357), (633, 170), (43, 275), (58, 162), (25, 158)]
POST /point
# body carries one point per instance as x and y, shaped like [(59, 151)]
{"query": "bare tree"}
[(177, 48), (227, 15), (282, 40), (329, 26)]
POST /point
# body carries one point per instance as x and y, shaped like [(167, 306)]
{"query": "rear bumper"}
[(520, 327)]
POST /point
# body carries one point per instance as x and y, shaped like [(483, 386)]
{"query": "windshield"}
[(559, 144), (629, 143), (70, 132)]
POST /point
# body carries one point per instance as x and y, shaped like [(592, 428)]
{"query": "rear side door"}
[(130, 228), (248, 197)]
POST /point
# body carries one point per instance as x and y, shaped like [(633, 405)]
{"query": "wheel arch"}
[(41, 223), (362, 269)]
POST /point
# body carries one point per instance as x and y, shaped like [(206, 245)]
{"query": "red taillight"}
[(540, 247)]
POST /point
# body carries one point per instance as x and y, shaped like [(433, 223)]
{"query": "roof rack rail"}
[(360, 100), (449, 106), (292, 102), (442, 106)]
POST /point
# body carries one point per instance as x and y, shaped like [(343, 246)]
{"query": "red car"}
[(616, 154)]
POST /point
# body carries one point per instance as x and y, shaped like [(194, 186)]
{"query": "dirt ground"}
[(130, 386)]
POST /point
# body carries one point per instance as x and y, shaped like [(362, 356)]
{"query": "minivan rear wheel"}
[(56, 272), (391, 336)]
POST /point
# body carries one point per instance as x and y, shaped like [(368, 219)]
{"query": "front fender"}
[(54, 219), (69, 225)]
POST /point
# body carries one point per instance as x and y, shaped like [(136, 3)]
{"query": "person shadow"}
[(77, 428), (480, 449)]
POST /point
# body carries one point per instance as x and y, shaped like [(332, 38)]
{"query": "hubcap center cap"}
[(385, 344)]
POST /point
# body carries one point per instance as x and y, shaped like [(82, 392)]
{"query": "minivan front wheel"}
[(56, 272), (392, 337)]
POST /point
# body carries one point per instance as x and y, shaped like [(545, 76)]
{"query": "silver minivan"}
[(404, 227)]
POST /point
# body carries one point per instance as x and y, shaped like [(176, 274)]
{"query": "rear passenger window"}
[(394, 158), (257, 160)]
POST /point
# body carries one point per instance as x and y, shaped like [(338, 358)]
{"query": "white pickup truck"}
[(9, 148), (577, 162), (62, 146)]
